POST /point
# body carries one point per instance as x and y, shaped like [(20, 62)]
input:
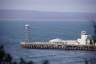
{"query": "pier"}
[(46, 45), (83, 43)]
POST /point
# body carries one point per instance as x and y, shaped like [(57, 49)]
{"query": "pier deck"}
[(46, 45)]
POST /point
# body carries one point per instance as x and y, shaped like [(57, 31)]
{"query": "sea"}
[(12, 33)]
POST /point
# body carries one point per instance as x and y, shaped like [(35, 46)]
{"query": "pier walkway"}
[(48, 45)]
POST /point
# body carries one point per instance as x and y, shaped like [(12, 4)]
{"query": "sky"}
[(50, 5)]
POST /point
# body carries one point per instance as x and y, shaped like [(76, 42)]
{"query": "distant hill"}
[(21, 14)]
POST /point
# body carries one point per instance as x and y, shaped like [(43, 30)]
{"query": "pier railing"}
[(48, 45)]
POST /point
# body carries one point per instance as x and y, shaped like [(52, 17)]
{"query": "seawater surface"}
[(12, 33)]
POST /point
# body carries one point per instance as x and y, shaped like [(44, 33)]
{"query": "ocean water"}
[(12, 33)]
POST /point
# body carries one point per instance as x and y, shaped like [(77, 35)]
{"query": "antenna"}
[(26, 27)]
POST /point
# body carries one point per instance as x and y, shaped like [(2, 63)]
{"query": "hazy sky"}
[(50, 5)]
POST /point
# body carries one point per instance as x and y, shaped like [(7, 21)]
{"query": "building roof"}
[(83, 32), (56, 40)]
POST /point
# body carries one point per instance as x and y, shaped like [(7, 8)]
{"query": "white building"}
[(84, 40)]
